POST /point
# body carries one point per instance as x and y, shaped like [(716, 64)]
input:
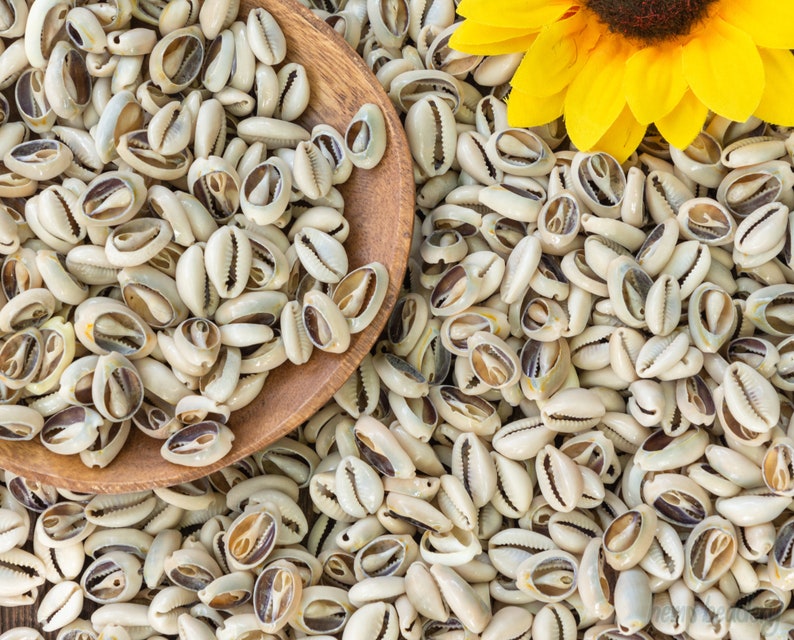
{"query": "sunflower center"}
[(650, 20)]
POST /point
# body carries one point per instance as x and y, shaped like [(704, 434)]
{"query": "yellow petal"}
[(530, 14), (770, 23), (525, 110), (682, 125), (623, 137), (557, 55), (654, 82), (777, 103), (724, 70), (595, 97), (479, 39)]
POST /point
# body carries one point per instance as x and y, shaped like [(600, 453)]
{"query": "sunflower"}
[(612, 67)]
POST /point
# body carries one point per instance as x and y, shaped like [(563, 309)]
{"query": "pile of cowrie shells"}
[(169, 233), (577, 424)]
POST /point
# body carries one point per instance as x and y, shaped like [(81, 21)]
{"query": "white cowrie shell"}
[(216, 15), (21, 633), (559, 479), (332, 144), (473, 466), (661, 352), (14, 60), (554, 620), (463, 601), (14, 529), (760, 235), (767, 309), (707, 221), (520, 268), (365, 137), (359, 489), (209, 130), (169, 129), (198, 445), (186, 47), (311, 171), (85, 30), (753, 150), (709, 552), (323, 256), (265, 190), (629, 287), (135, 242), (324, 323), (218, 61), (780, 570), (121, 115), (430, 124), (519, 152), (660, 452), (633, 602), (595, 585), (700, 161), (297, 345), (38, 159), (549, 576), (628, 537), (45, 21), (492, 360), (750, 398), (389, 22), (116, 389), (766, 507), (265, 36), (60, 606), (293, 94), (522, 203), (599, 173), (112, 198), (131, 42), (227, 259), (277, 594), (572, 410), (276, 134), (663, 305)]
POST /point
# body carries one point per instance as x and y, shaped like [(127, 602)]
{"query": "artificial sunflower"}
[(612, 67)]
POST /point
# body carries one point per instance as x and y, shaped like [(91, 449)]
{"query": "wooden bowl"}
[(379, 203)]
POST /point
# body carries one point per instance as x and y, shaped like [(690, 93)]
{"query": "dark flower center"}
[(650, 20)]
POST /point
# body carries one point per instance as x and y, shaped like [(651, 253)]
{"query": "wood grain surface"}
[(379, 204)]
